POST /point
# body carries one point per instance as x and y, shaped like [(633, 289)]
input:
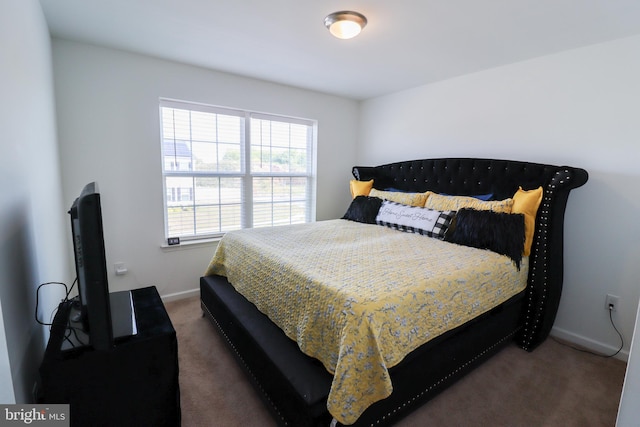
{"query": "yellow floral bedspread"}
[(360, 297)]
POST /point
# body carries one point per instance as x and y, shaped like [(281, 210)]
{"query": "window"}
[(226, 169)]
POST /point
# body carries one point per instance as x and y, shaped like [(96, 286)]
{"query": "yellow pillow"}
[(527, 202), (360, 188), (441, 202), (411, 199)]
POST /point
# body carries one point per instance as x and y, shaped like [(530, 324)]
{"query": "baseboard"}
[(180, 295), (589, 344)]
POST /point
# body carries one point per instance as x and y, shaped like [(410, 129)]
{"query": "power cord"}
[(71, 288), (606, 356), (70, 329), (66, 292)]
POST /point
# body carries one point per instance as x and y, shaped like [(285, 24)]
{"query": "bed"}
[(313, 370)]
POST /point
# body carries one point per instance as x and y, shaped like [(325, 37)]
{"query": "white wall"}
[(32, 219), (108, 119), (578, 108)]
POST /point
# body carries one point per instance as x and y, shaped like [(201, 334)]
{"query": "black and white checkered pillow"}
[(414, 219)]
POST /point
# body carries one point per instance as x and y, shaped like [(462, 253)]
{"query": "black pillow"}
[(363, 209), (499, 232)]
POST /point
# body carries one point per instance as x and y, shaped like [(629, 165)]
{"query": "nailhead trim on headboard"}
[(539, 280)]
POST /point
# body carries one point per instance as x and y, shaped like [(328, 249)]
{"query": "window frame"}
[(245, 174)]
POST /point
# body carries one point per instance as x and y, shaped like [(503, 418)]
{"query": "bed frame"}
[(295, 386)]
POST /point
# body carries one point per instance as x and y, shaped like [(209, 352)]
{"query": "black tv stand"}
[(135, 383)]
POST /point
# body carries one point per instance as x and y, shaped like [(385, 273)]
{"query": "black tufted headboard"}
[(469, 176)]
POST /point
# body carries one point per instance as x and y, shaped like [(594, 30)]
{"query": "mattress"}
[(360, 297)]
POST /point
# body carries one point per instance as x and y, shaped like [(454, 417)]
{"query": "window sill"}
[(190, 244)]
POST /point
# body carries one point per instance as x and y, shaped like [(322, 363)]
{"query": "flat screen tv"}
[(91, 267)]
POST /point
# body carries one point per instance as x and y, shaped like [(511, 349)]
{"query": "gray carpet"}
[(552, 386)]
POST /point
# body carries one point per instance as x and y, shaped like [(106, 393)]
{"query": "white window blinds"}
[(225, 169)]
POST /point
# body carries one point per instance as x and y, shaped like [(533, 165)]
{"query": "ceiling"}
[(407, 43)]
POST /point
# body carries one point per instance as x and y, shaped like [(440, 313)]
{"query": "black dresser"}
[(135, 383)]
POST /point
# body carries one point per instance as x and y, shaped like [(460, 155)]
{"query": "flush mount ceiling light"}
[(345, 24)]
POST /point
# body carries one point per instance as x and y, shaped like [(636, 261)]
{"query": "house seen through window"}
[(226, 169)]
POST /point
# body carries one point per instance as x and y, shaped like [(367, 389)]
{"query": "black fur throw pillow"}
[(499, 232), (363, 209)]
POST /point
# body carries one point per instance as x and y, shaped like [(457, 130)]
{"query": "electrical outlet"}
[(121, 268), (611, 302)]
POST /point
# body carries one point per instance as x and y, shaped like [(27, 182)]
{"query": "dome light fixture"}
[(345, 24)]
